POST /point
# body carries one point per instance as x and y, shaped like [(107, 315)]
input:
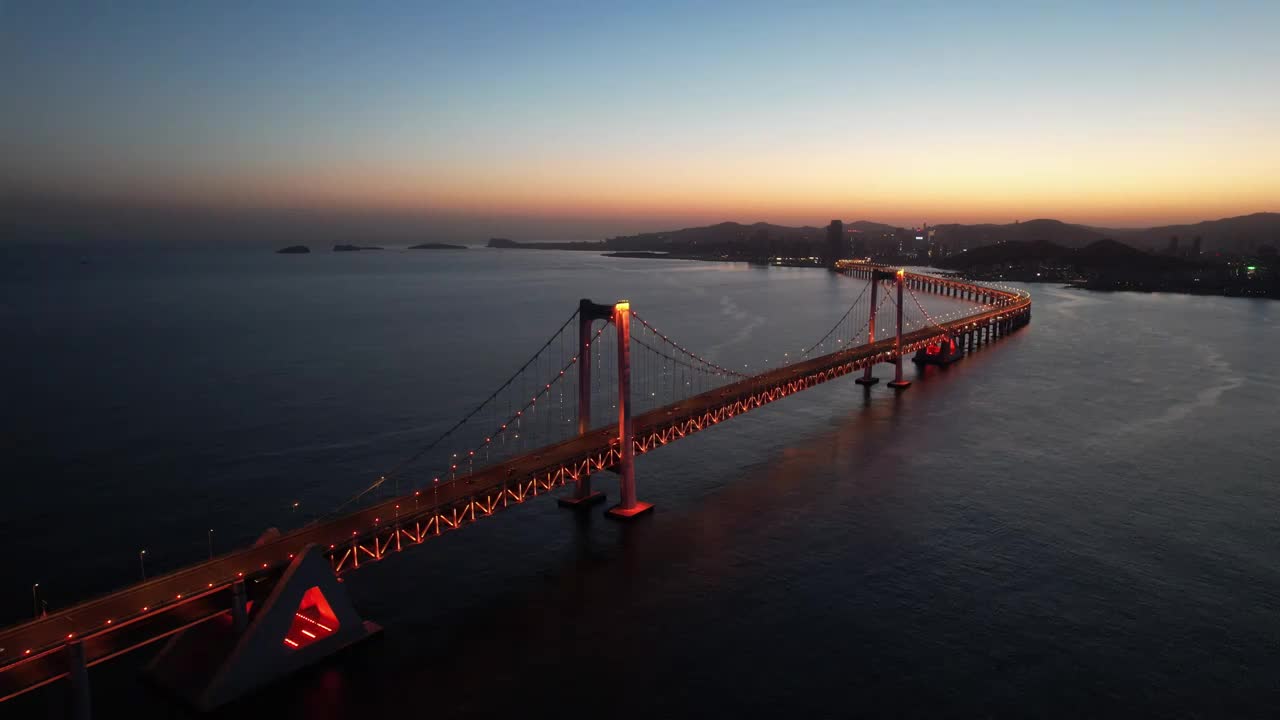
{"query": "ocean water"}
[(1080, 520)]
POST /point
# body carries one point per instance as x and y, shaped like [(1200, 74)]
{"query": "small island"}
[(437, 246), (354, 248), (641, 254), (504, 243), (294, 250)]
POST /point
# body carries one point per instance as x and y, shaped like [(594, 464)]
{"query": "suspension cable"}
[(430, 446), (681, 348), (838, 322)]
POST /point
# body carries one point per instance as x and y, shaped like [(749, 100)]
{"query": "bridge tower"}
[(628, 506), (588, 313), (876, 275), (898, 383)]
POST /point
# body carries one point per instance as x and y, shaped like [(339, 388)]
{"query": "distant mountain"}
[(1241, 234), (867, 226), (1031, 231), (732, 240), (1103, 253), (723, 234)]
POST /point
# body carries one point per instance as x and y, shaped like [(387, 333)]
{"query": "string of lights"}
[(924, 312), (836, 327), (681, 359), (533, 401), (415, 456), (686, 352)]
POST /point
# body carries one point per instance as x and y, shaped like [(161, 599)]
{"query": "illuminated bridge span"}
[(247, 617)]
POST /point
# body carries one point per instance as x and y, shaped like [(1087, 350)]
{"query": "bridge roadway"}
[(129, 618)]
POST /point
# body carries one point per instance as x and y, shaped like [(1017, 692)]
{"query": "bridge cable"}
[(838, 322), (427, 448), (924, 312), (682, 350)]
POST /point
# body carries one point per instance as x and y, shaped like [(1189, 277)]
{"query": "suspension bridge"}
[(607, 386)]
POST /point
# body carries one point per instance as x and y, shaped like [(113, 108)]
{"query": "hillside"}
[(732, 240), (720, 235), (1031, 231), (1242, 234), (1103, 253)]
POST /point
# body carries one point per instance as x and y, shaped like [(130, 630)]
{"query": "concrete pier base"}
[(581, 503), (868, 381), (617, 512), (78, 674), (306, 618), (899, 384)]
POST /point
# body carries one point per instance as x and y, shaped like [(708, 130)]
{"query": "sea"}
[(1081, 520)]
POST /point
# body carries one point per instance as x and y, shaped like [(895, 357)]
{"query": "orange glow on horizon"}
[(1121, 181)]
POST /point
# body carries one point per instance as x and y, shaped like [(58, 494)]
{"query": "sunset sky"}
[(585, 116)]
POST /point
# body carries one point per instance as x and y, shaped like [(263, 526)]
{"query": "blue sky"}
[(1096, 111)]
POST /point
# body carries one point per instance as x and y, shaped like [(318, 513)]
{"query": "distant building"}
[(859, 244), (836, 248), (1173, 245), (1195, 246)]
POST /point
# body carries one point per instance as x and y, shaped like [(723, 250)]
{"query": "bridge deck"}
[(145, 612)]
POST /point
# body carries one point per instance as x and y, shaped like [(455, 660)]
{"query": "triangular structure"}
[(306, 618)]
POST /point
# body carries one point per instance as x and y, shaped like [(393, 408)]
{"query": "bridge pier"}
[(306, 618), (78, 675), (239, 606), (628, 506)]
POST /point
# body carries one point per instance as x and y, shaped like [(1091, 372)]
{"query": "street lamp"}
[(142, 562), (35, 602), (210, 543)]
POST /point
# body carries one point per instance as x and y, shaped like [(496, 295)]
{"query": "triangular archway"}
[(306, 617)]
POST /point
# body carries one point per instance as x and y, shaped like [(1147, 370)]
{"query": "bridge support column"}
[(898, 383), (306, 617), (628, 506), (588, 313), (78, 675), (239, 606), (867, 378)]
